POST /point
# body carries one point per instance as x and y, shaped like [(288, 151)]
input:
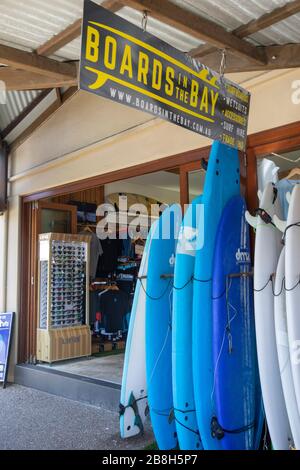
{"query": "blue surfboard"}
[(158, 335), (234, 345), (183, 392), (222, 182)]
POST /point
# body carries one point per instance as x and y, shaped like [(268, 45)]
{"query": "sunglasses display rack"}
[(63, 314)]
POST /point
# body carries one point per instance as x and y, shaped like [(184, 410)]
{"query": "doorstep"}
[(96, 392)]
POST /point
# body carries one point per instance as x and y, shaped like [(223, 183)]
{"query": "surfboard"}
[(133, 401), (221, 183), (292, 272), (234, 348), (282, 342), (267, 251), (159, 325), (183, 392)]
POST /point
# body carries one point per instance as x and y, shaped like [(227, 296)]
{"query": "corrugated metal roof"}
[(16, 102), (27, 24), (30, 23), (233, 13)]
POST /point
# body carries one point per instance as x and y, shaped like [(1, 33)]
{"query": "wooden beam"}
[(61, 39), (31, 62), (41, 119), (278, 57), (198, 27), (266, 20), (24, 80), (24, 113), (72, 32)]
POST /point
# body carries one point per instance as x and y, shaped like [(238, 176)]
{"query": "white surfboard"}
[(283, 351), (267, 251), (292, 275), (133, 402)]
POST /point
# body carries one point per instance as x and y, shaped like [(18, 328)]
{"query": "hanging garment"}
[(285, 186), (267, 172), (95, 251)]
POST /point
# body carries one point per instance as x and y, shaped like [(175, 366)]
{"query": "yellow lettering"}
[(126, 64), (110, 53), (92, 44), (204, 100), (214, 99), (157, 74), (194, 93), (143, 68), (170, 74)]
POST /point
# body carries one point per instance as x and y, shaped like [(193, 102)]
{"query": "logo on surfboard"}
[(242, 256)]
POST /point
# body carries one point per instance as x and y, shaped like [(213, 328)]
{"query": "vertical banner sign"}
[(121, 62), (6, 324)]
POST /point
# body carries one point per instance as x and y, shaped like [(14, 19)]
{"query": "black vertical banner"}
[(121, 62)]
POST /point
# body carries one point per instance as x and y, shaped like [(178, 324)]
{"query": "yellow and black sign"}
[(125, 64)]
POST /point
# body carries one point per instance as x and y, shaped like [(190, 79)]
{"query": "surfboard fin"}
[(280, 224), (251, 219)]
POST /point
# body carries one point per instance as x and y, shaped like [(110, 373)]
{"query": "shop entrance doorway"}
[(179, 178)]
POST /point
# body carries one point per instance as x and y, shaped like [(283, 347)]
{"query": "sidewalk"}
[(30, 419)]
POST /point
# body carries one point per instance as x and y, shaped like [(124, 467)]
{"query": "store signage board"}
[(121, 62), (6, 325)]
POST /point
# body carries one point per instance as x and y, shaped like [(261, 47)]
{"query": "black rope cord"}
[(171, 416), (266, 284), (218, 432), (184, 411), (122, 408), (184, 285), (155, 298), (188, 428), (296, 224)]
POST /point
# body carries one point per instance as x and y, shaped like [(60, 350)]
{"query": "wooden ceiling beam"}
[(254, 26), (278, 57), (268, 19), (61, 39), (198, 27), (72, 32), (34, 63), (24, 80)]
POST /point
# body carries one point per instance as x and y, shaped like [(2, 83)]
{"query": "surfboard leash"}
[(218, 432)]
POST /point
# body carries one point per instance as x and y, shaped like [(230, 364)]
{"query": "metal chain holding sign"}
[(144, 20), (222, 64)]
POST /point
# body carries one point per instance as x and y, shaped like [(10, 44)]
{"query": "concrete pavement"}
[(30, 419)]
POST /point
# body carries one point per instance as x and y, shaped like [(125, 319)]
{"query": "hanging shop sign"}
[(6, 325), (126, 64)]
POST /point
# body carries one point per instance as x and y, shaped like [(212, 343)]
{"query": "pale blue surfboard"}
[(222, 182), (159, 325), (183, 391)]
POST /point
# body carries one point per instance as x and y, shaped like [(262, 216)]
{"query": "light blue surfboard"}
[(222, 182), (159, 325), (183, 391)]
